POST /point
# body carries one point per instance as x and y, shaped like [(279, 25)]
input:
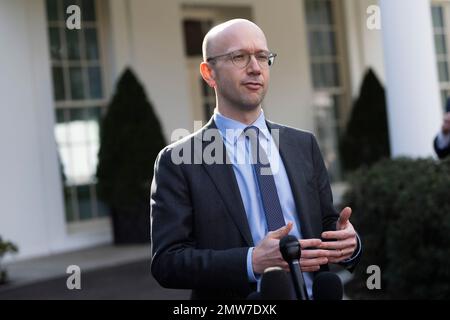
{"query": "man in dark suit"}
[(223, 197), (442, 140)]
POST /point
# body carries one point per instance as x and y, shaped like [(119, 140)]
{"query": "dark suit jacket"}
[(200, 233), (442, 153)]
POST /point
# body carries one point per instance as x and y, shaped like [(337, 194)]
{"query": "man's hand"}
[(267, 252), (345, 238), (446, 124)]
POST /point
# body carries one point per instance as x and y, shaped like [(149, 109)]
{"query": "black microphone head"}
[(327, 286), (290, 248), (276, 285)]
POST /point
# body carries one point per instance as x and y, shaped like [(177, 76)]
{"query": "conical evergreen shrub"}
[(366, 139), (130, 139)]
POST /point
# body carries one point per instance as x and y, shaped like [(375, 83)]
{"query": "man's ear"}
[(208, 74)]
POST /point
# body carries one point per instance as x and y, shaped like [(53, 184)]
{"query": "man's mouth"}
[(253, 85)]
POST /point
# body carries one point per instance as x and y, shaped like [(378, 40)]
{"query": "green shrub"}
[(401, 209), (366, 138), (131, 138), (5, 247)]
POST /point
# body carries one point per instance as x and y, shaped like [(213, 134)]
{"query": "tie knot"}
[(251, 132)]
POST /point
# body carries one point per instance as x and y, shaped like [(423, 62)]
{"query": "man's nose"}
[(253, 65)]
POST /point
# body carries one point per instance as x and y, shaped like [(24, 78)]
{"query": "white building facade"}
[(55, 84)]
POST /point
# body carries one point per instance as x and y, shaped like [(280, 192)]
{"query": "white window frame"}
[(101, 23)]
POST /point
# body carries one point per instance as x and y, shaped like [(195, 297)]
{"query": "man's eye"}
[(262, 57), (239, 57)]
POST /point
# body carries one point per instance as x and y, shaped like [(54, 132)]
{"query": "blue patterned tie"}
[(266, 182)]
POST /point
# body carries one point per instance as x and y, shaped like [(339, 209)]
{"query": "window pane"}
[(316, 75), (443, 99), (60, 116), (70, 216), (76, 83), (52, 10), (90, 35), (443, 71), (95, 83), (319, 12), (82, 172), (78, 134), (58, 84), (73, 44), (328, 12), (55, 43), (88, 10), (439, 40), (93, 114), (193, 36), (312, 13), (438, 21), (61, 127), (322, 43), (329, 46), (331, 74), (84, 202), (328, 133), (65, 163), (93, 158), (313, 43), (93, 117)]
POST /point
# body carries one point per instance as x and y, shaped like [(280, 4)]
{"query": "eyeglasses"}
[(241, 58)]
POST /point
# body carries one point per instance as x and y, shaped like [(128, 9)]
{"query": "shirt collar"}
[(228, 125)]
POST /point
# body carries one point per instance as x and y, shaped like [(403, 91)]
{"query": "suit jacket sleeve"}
[(442, 153), (176, 260)]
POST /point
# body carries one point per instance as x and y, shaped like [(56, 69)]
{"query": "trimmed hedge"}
[(401, 209)]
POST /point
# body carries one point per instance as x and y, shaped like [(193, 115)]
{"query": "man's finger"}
[(313, 262), (281, 232), (341, 255), (344, 217), (339, 235), (310, 243), (310, 254), (341, 244)]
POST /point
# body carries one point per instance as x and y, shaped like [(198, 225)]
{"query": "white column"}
[(414, 110), (121, 40)]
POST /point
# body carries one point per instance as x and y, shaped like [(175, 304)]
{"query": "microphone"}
[(327, 286), (275, 285), (291, 252)]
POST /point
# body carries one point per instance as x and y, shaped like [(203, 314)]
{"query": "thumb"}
[(344, 217), (281, 232)]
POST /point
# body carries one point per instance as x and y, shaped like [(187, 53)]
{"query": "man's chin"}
[(248, 107), (251, 105)]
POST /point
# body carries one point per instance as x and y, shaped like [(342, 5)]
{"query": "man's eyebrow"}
[(256, 51)]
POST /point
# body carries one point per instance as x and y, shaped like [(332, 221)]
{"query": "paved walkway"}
[(107, 272)]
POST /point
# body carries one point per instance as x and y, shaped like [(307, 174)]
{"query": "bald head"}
[(232, 35)]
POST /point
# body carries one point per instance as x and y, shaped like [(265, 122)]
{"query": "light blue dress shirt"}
[(239, 152)]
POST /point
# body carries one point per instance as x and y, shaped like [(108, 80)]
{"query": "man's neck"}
[(246, 117)]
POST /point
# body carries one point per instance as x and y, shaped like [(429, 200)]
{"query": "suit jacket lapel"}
[(293, 161), (225, 181)]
